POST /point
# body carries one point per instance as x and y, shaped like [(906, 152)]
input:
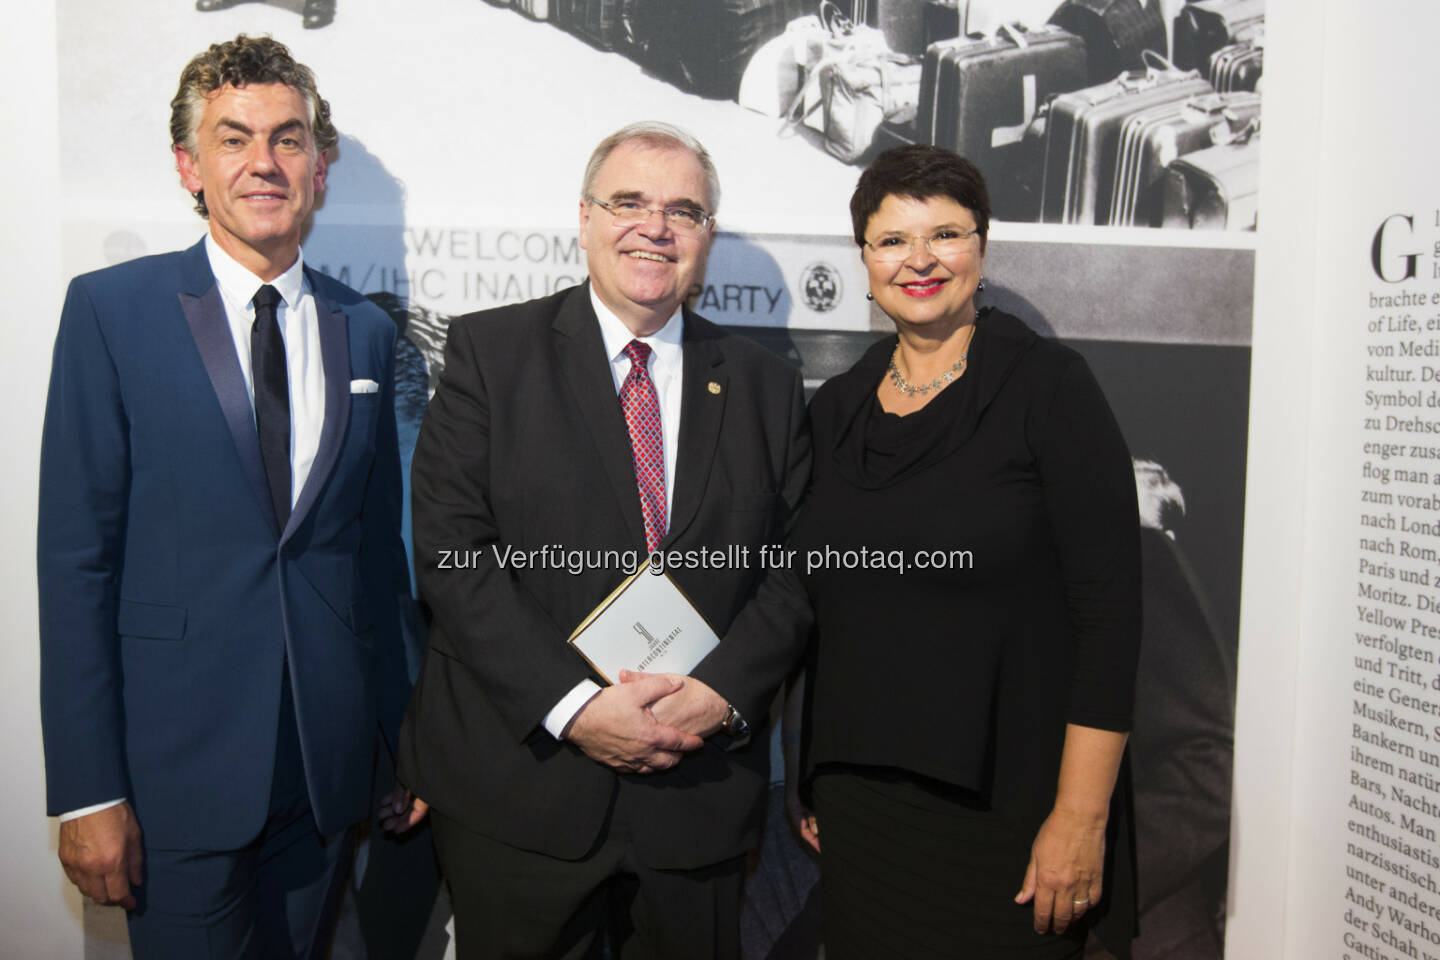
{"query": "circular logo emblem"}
[(820, 285)]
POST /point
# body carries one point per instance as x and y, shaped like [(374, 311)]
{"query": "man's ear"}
[(189, 175), (322, 167)]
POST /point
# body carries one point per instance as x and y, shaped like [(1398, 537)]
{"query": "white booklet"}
[(647, 624)]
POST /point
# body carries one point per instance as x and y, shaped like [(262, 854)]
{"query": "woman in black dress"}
[(971, 549)]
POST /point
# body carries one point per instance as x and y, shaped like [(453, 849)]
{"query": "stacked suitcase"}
[(1155, 137), (1204, 27), (978, 96), (1082, 139), (1150, 144), (1217, 188), (1238, 66), (1081, 120)]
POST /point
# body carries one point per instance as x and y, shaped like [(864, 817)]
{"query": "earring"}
[(869, 296), (980, 287)]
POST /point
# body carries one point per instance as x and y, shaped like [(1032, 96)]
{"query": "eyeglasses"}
[(687, 220), (897, 247)]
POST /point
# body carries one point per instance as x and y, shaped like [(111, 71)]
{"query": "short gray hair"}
[(652, 133)]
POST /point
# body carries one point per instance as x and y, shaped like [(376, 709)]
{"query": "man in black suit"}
[(561, 808)]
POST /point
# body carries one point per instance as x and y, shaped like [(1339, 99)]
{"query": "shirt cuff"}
[(86, 811), (563, 712)]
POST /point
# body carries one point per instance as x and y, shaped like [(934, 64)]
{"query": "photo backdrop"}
[(465, 127)]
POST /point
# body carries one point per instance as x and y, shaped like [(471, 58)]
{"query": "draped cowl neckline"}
[(875, 449)]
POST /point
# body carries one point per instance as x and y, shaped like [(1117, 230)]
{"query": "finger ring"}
[(1080, 903)]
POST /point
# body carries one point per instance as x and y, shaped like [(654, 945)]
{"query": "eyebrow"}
[(934, 229), (236, 125), (685, 202)]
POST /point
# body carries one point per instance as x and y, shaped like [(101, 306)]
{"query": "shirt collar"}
[(665, 342), (239, 285)]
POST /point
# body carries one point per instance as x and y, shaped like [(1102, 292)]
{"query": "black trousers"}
[(515, 903)]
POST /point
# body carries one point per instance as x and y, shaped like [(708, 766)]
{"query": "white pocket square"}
[(364, 386)]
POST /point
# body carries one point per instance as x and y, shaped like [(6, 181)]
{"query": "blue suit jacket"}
[(169, 597)]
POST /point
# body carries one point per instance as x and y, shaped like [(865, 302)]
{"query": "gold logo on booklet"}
[(713, 387)]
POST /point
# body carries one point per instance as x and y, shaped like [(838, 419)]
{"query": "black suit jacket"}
[(524, 446)]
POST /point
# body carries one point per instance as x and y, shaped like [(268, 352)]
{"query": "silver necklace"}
[(909, 390)]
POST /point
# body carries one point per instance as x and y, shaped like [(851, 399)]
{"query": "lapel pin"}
[(713, 387)]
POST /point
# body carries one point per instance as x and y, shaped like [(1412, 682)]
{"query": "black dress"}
[(974, 569)]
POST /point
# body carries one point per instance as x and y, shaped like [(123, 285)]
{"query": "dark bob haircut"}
[(920, 171)]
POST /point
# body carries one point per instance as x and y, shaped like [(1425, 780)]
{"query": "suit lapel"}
[(586, 371), (702, 410), (205, 314), (335, 359)]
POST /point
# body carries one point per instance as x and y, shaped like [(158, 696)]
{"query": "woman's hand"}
[(792, 718), (1065, 871), (801, 818), (1068, 856), (401, 810)]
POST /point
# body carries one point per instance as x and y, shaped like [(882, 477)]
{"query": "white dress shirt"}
[(668, 372), (299, 329), (301, 333)]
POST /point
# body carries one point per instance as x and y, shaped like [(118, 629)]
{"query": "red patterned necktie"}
[(641, 406)]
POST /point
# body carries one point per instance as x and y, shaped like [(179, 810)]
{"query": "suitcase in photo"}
[(1151, 139), (597, 22), (1217, 188), (534, 9), (1204, 27), (979, 94), (1082, 137), (1238, 66), (1116, 33)]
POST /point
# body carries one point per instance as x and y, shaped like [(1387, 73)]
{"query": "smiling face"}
[(642, 271), (923, 290), (255, 160)]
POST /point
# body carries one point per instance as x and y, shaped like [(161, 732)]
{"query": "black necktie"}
[(272, 399)]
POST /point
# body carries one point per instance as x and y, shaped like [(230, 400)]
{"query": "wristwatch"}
[(734, 724)]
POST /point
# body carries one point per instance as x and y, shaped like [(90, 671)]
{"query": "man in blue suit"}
[(219, 550)]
